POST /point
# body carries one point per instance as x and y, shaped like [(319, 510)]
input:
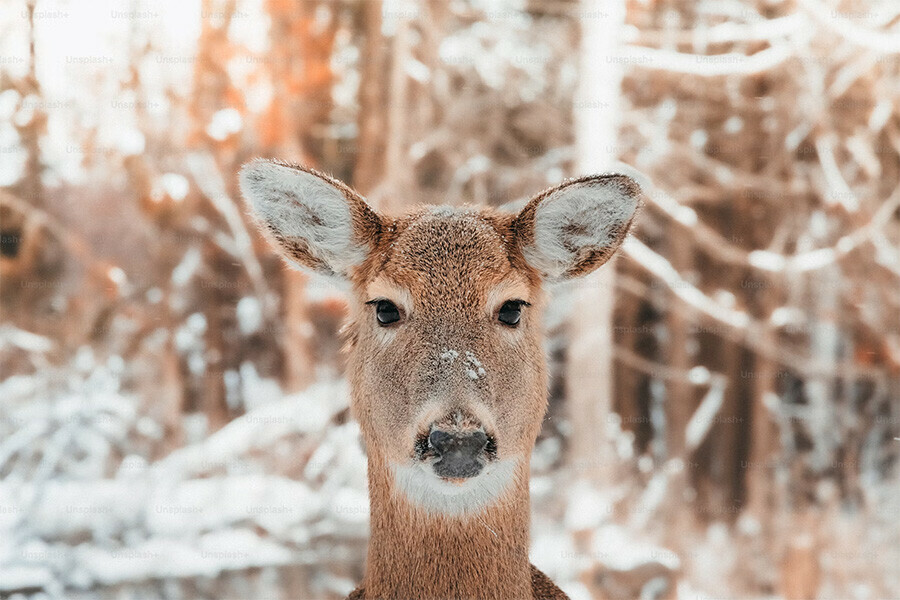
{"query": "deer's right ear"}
[(314, 221)]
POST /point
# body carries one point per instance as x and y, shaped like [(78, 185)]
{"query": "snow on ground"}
[(81, 508)]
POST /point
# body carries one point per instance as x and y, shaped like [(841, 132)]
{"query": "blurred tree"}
[(589, 359), (295, 128)]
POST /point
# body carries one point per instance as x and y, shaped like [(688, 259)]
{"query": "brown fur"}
[(541, 588), (448, 271), (449, 265), (414, 555)]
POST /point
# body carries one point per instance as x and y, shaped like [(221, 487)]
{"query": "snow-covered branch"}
[(705, 65), (763, 30), (714, 243), (209, 178), (738, 324), (308, 412), (879, 41), (180, 517)]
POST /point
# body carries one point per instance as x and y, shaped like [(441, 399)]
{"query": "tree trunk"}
[(372, 124), (211, 85), (396, 169), (301, 107), (680, 402), (589, 362)]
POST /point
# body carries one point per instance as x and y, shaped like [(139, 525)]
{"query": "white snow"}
[(257, 391), (587, 507), (8, 100), (224, 123), (881, 112), (350, 505), (734, 124), (210, 555), (685, 215), (130, 141), (22, 577), (699, 375), (249, 315), (623, 549), (698, 138), (176, 517), (786, 315), (703, 418), (10, 335), (12, 165), (813, 260), (117, 276), (555, 554), (187, 268), (449, 355), (652, 497), (175, 185), (474, 369), (767, 261)]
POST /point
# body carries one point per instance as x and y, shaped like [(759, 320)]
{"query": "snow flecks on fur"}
[(471, 366), (474, 369), (443, 211), (449, 355)]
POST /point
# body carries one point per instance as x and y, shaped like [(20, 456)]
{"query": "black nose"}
[(459, 454)]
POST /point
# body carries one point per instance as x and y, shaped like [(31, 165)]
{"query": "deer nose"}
[(459, 454)]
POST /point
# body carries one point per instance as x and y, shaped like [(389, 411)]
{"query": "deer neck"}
[(415, 555)]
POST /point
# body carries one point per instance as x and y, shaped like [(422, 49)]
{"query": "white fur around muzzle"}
[(425, 489)]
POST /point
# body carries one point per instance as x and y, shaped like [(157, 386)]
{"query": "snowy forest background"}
[(725, 406)]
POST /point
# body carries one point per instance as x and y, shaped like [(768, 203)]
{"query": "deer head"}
[(446, 364)]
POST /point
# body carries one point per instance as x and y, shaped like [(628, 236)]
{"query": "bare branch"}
[(841, 192)]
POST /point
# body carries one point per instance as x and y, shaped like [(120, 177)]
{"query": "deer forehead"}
[(448, 256)]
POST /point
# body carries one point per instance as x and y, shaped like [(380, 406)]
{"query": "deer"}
[(445, 361)]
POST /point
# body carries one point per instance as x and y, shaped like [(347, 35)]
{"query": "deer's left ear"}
[(570, 230)]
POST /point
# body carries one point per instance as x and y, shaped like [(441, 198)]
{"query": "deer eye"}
[(511, 312), (386, 312)]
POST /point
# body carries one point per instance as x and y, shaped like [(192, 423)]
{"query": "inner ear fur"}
[(572, 229), (315, 221)]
